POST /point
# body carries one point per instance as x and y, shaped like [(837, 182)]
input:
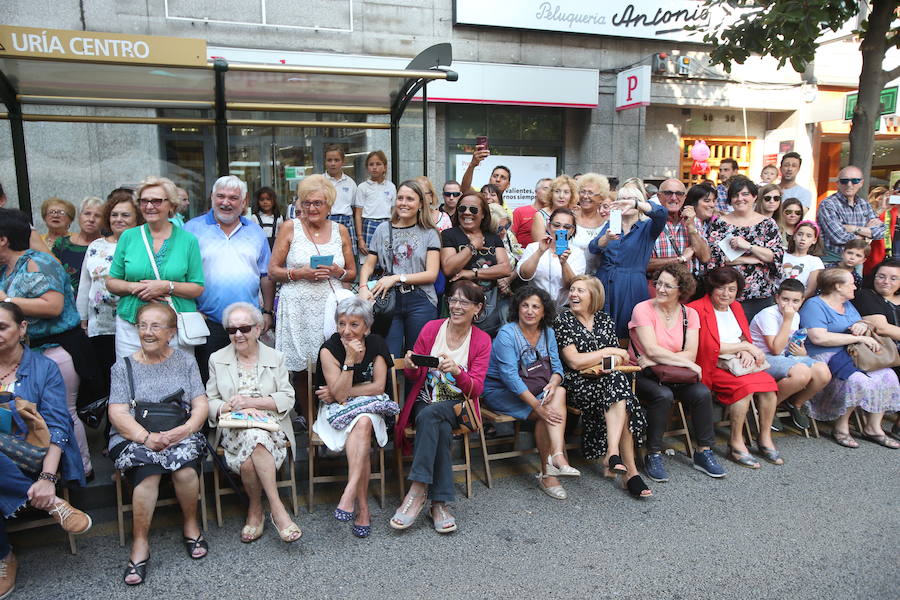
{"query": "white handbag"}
[(192, 329)]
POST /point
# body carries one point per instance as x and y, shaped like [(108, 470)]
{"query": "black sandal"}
[(192, 544), (615, 464), (139, 569), (636, 487)]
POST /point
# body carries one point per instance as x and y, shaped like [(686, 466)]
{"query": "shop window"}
[(738, 148)]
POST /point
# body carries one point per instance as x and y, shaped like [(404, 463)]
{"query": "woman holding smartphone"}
[(550, 263)]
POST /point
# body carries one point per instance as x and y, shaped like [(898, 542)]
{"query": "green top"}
[(178, 260)]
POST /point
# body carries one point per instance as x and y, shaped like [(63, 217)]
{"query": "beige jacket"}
[(273, 381)]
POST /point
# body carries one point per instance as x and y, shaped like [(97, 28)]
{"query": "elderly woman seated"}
[(524, 380), (36, 379), (249, 380), (146, 447), (833, 323), (724, 332), (352, 375)]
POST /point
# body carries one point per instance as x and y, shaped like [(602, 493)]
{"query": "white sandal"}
[(563, 471), (554, 491)]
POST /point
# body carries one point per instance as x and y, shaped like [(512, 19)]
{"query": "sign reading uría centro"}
[(647, 19)]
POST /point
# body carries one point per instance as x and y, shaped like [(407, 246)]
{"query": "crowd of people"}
[(734, 294)]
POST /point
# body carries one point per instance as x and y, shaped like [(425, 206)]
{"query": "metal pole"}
[(17, 132), (425, 129), (221, 66)]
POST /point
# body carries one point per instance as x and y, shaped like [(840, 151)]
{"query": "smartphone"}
[(321, 261), (562, 241), (609, 363), (615, 222), (895, 199), (424, 360), (481, 140)]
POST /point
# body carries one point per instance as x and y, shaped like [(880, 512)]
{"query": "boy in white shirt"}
[(375, 198), (799, 377), (342, 209)]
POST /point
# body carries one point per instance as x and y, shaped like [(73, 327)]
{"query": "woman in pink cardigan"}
[(463, 352)]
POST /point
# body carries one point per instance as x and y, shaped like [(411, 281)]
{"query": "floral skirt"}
[(874, 392), (138, 461), (240, 443)]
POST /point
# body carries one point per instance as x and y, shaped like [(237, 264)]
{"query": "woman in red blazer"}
[(724, 330), (464, 352)]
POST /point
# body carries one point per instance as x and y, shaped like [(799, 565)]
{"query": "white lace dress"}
[(299, 330)]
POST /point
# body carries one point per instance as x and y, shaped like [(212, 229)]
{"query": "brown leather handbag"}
[(866, 360), (28, 440)]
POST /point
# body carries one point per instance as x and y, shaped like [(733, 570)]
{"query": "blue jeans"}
[(14, 487), (413, 310), (432, 464)]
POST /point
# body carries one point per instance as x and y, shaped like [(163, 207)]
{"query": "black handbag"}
[(92, 414), (537, 375), (164, 415), (488, 320), (386, 305)]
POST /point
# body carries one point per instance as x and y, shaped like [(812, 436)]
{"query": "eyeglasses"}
[(772, 198), (562, 226), (502, 228), (472, 209), (152, 201), (662, 285), (883, 277), (793, 212), (312, 204), (55, 212), (452, 194), (242, 329), (671, 193), (846, 180), (463, 302), (152, 327)]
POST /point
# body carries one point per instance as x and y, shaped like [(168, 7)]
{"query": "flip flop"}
[(139, 569), (771, 454), (882, 440), (745, 459), (844, 439), (194, 544)]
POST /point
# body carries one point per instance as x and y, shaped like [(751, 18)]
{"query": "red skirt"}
[(730, 388)]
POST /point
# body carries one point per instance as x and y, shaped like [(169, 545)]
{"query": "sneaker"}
[(798, 416), (70, 518), (777, 427), (8, 568), (653, 465), (705, 461)]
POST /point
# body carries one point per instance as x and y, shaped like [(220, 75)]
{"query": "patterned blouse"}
[(95, 303), (761, 280), (49, 277)]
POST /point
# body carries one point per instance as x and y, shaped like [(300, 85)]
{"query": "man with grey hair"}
[(523, 216), (845, 216), (235, 255), (680, 240)]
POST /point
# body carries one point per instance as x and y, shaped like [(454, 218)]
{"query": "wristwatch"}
[(475, 272), (471, 247), (402, 277), (346, 367)]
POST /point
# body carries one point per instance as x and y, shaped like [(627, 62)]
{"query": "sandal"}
[(882, 440), (563, 471), (251, 534), (554, 491), (615, 464), (635, 486), (446, 523), (139, 569), (844, 439), (745, 459), (770, 454), (194, 544), (402, 519), (287, 534), (344, 516), (361, 531)]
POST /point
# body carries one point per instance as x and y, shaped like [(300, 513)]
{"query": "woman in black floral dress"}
[(612, 416)]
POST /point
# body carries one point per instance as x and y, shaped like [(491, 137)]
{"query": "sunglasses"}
[(472, 209), (792, 212), (671, 193), (452, 194), (242, 329), (846, 180), (772, 198)]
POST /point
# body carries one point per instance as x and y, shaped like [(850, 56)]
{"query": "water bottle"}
[(798, 337)]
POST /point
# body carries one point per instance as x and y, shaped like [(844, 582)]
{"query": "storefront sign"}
[(633, 88), (91, 46), (524, 173), (646, 19), (888, 103)]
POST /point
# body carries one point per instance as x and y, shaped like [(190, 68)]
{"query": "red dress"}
[(728, 388)]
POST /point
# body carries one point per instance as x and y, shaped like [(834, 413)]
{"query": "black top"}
[(486, 257), (869, 302), (364, 372)]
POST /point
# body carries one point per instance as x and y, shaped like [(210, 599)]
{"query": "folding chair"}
[(288, 480), (490, 416), (122, 507), (25, 523), (465, 466), (315, 442)]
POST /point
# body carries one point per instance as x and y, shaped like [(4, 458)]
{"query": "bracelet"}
[(344, 274), (51, 477), (290, 277), (171, 287), (146, 437)]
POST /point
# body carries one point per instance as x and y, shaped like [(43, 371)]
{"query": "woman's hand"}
[(739, 243), (548, 414), (871, 343), (355, 350), (608, 237), (622, 205), (464, 274), (173, 436), (696, 369), (797, 349), (619, 353), (757, 354), (384, 285), (84, 325), (504, 285), (41, 494), (544, 243), (156, 442), (365, 293), (564, 257), (324, 394), (645, 363), (322, 273), (334, 270), (237, 402), (859, 328), (151, 289), (447, 365), (746, 358)]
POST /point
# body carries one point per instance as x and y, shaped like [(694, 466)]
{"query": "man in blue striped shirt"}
[(845, 216)]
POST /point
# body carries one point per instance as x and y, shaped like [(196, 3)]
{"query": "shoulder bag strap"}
[(130, 376), (684, 325), (319, 252), (391, 241), (153, 264)]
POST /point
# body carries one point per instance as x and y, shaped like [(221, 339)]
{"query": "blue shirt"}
[(50, 276), (816, 313), (511, 350), (232, 264)]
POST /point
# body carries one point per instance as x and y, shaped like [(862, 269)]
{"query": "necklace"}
[(11, 371), (666, 315)]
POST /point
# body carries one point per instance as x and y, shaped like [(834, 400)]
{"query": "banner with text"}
[(524, 173)]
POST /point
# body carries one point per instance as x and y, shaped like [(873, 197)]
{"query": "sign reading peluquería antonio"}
[(648, 19)]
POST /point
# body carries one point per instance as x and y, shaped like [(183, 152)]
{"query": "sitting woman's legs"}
[(143, 500), (63, 360), (766, 402), (698, 400), (187, 491), (737, 412), (550, 438), (266, 471), (253, 487), (616, 417), (358, 447), (657, 401)]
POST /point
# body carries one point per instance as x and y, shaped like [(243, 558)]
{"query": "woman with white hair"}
[(70, 250), (352, 377), (624, 256), (250, 378), (175, 253)]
